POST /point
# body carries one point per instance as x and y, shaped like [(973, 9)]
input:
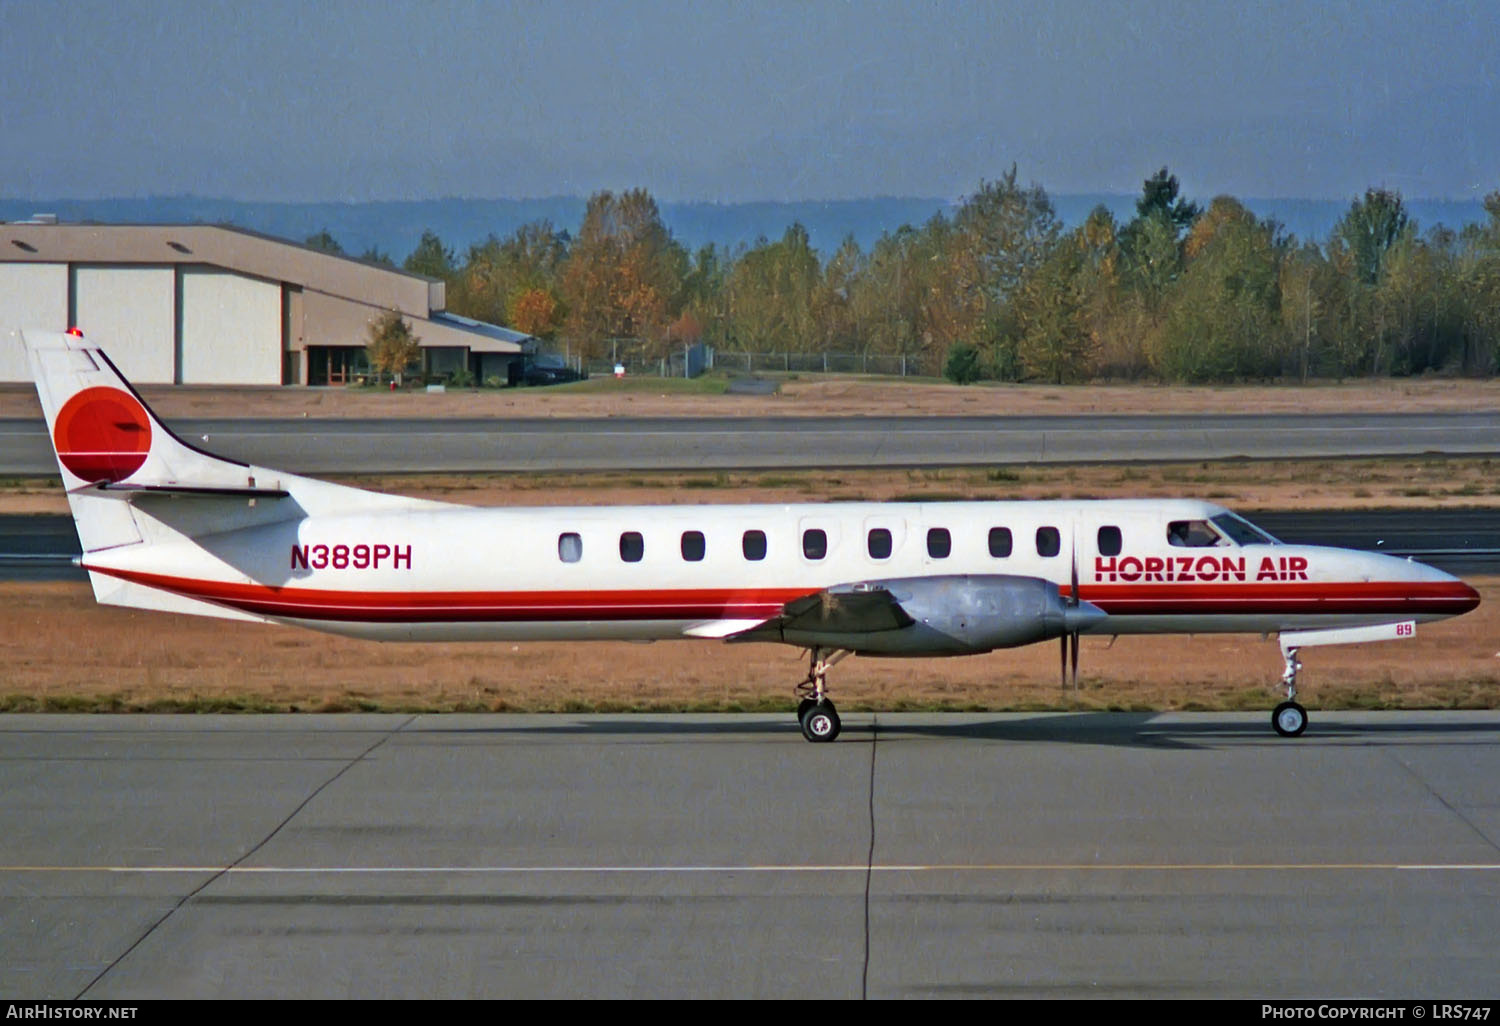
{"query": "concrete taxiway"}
[(650, 856)]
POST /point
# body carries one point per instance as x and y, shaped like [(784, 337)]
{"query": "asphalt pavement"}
[(1044, 855), (736, 443)]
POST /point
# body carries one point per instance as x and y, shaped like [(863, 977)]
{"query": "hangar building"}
[(209, 304)]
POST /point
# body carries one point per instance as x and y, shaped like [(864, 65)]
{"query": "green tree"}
[(324, 240), (1053, 338), (1010, 230), (772, 290), (1225, 319), (1369, 229), (391, 346), (962, 366), (1159, 198), (374, 255), (430, 258)]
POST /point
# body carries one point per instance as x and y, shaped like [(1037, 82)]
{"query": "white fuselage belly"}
[(462, 574)]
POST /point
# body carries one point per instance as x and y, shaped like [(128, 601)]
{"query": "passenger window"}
[(814, 543), (1000, 542), (939, 542), (569, 547), (632, 546), (1109, 541), (1192, 534), (1048, 542), (753, 545), (879, 543), (693, 546)]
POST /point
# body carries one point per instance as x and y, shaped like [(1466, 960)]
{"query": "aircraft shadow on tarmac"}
[(1134, 730)]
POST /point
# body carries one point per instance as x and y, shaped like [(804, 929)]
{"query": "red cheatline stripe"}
[(470, 606), (1395, 598)]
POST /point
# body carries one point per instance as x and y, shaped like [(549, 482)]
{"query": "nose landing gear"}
[(1289, 719)]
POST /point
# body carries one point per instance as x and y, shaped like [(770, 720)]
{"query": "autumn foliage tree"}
[(624, 274), (391, 346), (1177, 292)]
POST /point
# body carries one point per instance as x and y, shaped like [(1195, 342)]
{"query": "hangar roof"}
[(263, 256)]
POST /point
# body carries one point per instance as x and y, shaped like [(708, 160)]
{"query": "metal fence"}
[(695, 360), (820, 363)]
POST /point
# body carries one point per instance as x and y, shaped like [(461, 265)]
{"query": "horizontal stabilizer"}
[(132, 492)]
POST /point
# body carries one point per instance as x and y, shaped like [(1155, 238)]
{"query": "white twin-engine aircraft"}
[(167, 526)]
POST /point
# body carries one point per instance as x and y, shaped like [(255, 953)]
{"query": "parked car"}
[(549, 374)]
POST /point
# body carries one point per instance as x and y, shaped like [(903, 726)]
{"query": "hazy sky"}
[(712, 100)]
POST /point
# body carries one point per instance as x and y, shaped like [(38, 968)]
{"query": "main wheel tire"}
[(1289, 719), (803, 706), (821, 722)]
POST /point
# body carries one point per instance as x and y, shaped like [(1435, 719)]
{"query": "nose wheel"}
[(1289, 719)]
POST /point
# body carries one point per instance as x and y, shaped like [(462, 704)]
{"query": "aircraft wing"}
[(861, 608)]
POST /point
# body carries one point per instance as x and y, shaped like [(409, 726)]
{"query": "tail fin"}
[(110, 446), (131, 481)]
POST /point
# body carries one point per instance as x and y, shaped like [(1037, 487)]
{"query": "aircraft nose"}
[(1454, 595)]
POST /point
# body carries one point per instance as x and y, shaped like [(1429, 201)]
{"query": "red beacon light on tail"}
[(76, 331)]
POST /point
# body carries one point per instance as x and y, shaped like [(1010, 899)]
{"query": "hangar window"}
[(1048, 542), (632, 546), (1000, 542), (939, 542), (879, 543), (1192, 534), (692, 546), (814, 543), (754, 545), (1109, 541), (569, 547)]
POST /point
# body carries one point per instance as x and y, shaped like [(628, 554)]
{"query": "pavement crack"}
[(864, 978), (1465, 820), (218, 874)]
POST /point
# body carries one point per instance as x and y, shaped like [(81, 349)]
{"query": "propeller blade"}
[(1063, 648), (1073, 596), (1075, 660)]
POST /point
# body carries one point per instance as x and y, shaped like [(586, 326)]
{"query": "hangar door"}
[(129, 311), (231, 329), (31, 296)]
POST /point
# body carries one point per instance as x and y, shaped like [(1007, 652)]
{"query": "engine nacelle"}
[(953, 615)]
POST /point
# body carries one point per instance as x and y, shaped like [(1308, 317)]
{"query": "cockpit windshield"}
[(1242, 531)]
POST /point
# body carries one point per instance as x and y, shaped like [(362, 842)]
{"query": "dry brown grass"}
[(808, 395), (64, 652)]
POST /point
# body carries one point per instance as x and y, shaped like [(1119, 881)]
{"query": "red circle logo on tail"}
[(102, 434)]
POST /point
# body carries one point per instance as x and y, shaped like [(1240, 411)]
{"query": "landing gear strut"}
[(815, 712), (1289, 719)]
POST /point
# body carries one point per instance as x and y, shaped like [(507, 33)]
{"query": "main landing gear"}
[(1289, 719), (815, 712)]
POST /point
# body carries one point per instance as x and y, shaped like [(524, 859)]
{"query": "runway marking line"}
[(1127, 867)]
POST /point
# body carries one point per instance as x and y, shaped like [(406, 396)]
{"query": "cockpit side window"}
[(1193, 534), (1241, 530)]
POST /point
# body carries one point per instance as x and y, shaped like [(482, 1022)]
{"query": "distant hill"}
[(395, 227)]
